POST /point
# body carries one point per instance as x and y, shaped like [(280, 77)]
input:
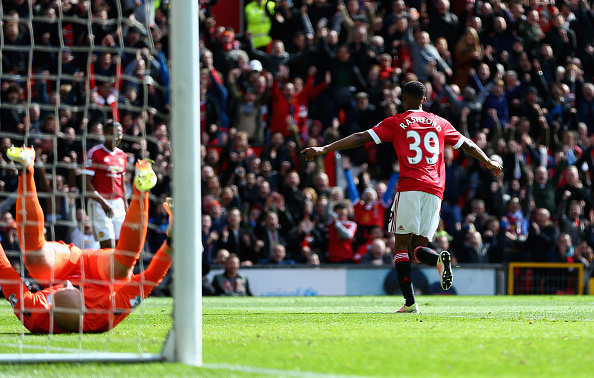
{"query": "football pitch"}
[(454, 336)]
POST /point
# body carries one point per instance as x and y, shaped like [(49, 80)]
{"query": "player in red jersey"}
[(419, 139), (105, 166)]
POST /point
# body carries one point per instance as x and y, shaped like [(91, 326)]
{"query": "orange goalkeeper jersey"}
[(105, 308)]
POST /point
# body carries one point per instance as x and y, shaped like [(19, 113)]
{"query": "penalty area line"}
[(274, 372)]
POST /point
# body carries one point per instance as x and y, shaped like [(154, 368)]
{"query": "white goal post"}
[(184, 342), (186, 338)]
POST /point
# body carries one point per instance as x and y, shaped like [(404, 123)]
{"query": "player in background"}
[(419, 138), (89, 308), (105, 166)]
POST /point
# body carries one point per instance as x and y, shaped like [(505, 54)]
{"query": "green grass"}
[(361, 336)]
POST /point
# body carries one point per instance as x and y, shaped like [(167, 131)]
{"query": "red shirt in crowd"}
[(419, 138), (368, 215), (309, 92), (281, 108), (341, 249)]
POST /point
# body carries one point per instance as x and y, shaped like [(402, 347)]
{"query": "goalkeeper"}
[(90, 309), (55, 262)]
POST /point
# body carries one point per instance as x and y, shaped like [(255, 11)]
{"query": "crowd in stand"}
[(515, 76)]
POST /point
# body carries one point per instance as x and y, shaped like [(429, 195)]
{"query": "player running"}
[(419, 138)]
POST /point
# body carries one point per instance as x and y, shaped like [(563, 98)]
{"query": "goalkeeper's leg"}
[(46, 261), (134, 228)]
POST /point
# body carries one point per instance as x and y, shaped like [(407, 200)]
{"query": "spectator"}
[(248, 108), (209, 116), (258, 14), (561, 39), (572, 223), (443, 22), (377, 255), (277, 153), (12, 118), (313, 259), (474, 251), (278, 257), (15, 61), (268, 235), (573, 190), (237, 238), (563, 251), (467, 53), (340, 236), (230, 282), (222, 256), (344, 77), (426, 58), (278, 58), (542, 235)]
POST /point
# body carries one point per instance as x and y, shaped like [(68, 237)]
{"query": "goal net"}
[(68, 69)]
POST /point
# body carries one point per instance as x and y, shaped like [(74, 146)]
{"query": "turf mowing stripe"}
[(275, 372), (42, 347)]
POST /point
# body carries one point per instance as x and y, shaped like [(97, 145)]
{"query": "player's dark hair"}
[(415, 89), (110, 125)]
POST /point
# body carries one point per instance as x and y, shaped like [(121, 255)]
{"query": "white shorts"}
[(107, 228), (415, 213)]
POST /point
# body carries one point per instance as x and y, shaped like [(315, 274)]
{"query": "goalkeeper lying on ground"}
[(64, 308), (109, 291)]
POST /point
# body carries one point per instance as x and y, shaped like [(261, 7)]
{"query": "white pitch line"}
[(275, 372)]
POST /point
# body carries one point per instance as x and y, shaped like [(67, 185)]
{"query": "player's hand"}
[(107, 209), (495, 166), (310, 152)]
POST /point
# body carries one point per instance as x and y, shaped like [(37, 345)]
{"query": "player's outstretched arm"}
[(352, 141), (475, 151)]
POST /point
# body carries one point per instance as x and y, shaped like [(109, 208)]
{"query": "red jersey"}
[(107, 168), (340, 249), (419, 138), (281, 108), (370, 214)]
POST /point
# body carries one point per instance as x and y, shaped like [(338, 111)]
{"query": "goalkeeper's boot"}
[(22, 155), (145, 178), (444, 267), (414, 309)]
